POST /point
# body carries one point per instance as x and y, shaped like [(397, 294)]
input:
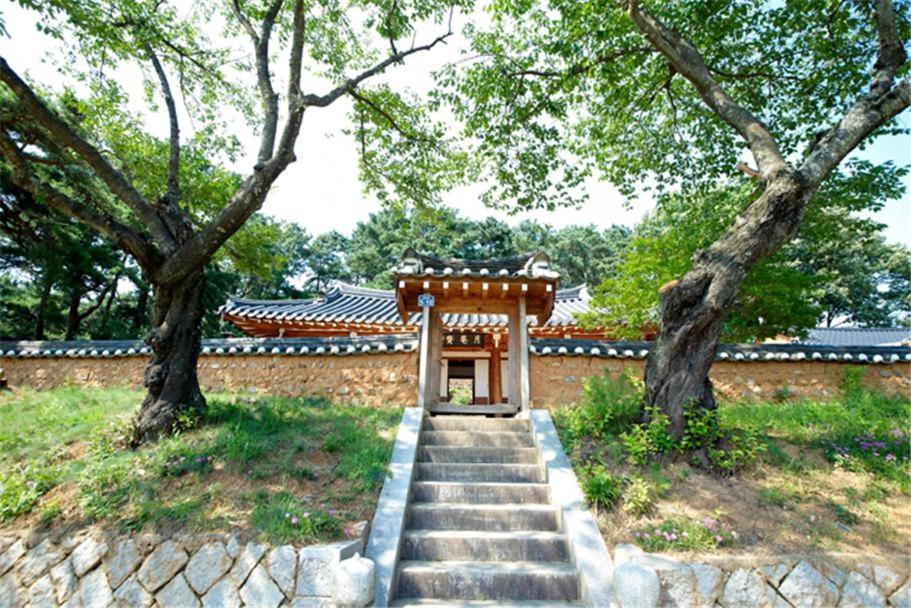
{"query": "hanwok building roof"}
[(348, 308)]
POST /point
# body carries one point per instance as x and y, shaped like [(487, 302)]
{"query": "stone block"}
[(206, 566), (260, 590), (87, 555), (353, 582), (636, 586), (64, 580), (11, 556), (12, 593), (39, 560), (709, 584), (281, 564), (131, 594), (887, 578), (177, 594), (222, 594), (123, 561), (246, 562), (161, 565), (805, 587), (94, 589), (859, 592), (41, 593), (747, 588)]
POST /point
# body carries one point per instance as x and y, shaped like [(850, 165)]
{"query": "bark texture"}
[(694, 309), (171, 378)]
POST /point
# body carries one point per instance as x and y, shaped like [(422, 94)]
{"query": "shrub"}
[(609, 406), (21, 488), (645, 441), (638, 496), (601, 488), (728, 450)]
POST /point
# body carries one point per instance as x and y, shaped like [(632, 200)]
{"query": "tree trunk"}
[(170, 378), (693, 309), (41, 311), (73, 319)]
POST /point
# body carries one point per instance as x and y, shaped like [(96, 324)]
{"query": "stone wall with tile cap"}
[(558, 379), (96, 570), (648, 580)]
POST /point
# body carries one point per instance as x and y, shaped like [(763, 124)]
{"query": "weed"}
[(638, 496), (601, 488)]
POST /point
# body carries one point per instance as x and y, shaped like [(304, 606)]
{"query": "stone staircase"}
[(481, 529)]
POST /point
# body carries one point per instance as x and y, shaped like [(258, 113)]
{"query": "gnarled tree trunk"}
[(693, 310), (170, 377)]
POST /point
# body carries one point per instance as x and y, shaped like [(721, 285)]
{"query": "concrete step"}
[(475, 423), (446, 453), (496, 439), (474, 409), (486, 546), (497, 517), (517, 473), (419, 602), (488, 580), (486, 492)]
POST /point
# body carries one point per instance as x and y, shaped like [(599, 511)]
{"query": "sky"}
[(322, 192)]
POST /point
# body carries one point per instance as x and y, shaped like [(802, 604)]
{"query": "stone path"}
[(481, 527)]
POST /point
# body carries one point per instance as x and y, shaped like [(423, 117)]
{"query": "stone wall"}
[(643, 580), (558, 379), (369, 379), (95, 570), (391, 377)]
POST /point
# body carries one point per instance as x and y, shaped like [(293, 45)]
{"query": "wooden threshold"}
[(452, 408)]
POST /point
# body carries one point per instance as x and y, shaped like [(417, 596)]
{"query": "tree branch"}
[(389, 118), (263, 77), (883, 102), (173, 194), (350, 84), (687, 60), (130, 240), (68, 137)]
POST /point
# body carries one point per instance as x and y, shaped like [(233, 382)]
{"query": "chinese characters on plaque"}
[(463, 339)]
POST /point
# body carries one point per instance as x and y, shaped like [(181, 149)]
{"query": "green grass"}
[(796, 473), (244, 461)]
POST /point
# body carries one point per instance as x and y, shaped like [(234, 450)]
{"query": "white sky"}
[(321, 190)]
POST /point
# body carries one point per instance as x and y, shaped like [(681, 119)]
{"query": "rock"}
[(887, 579), (361, 530), (132, 595), (87, 555), (233, 547), (223, 594), (678, 587), (312, 602), (41, 594), (773, 573), (260, 590), (161, 565), (208, 565), (282, 566), (11, 556), (314, 570), (833, 573), (246, 562), (636, 586), (709, 583), (65, 581), (747, 588), (94, 590), (625, 552), (74, 602), (902, 597), (123, 561), (38, 561), (177, 594), (353, 582), (805, 587), (12, 595), (859, 592)]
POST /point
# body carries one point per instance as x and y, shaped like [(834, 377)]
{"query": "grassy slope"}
[(285, 469), (834, 476)]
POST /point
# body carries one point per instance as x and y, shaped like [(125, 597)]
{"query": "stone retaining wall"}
[(558, 379), (391, 377), (95, 570), (643, 580)]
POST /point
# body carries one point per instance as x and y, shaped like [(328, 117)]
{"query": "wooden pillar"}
[(424, 361), (524, 387), (435, 357), (513, 363), (495, 386)]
